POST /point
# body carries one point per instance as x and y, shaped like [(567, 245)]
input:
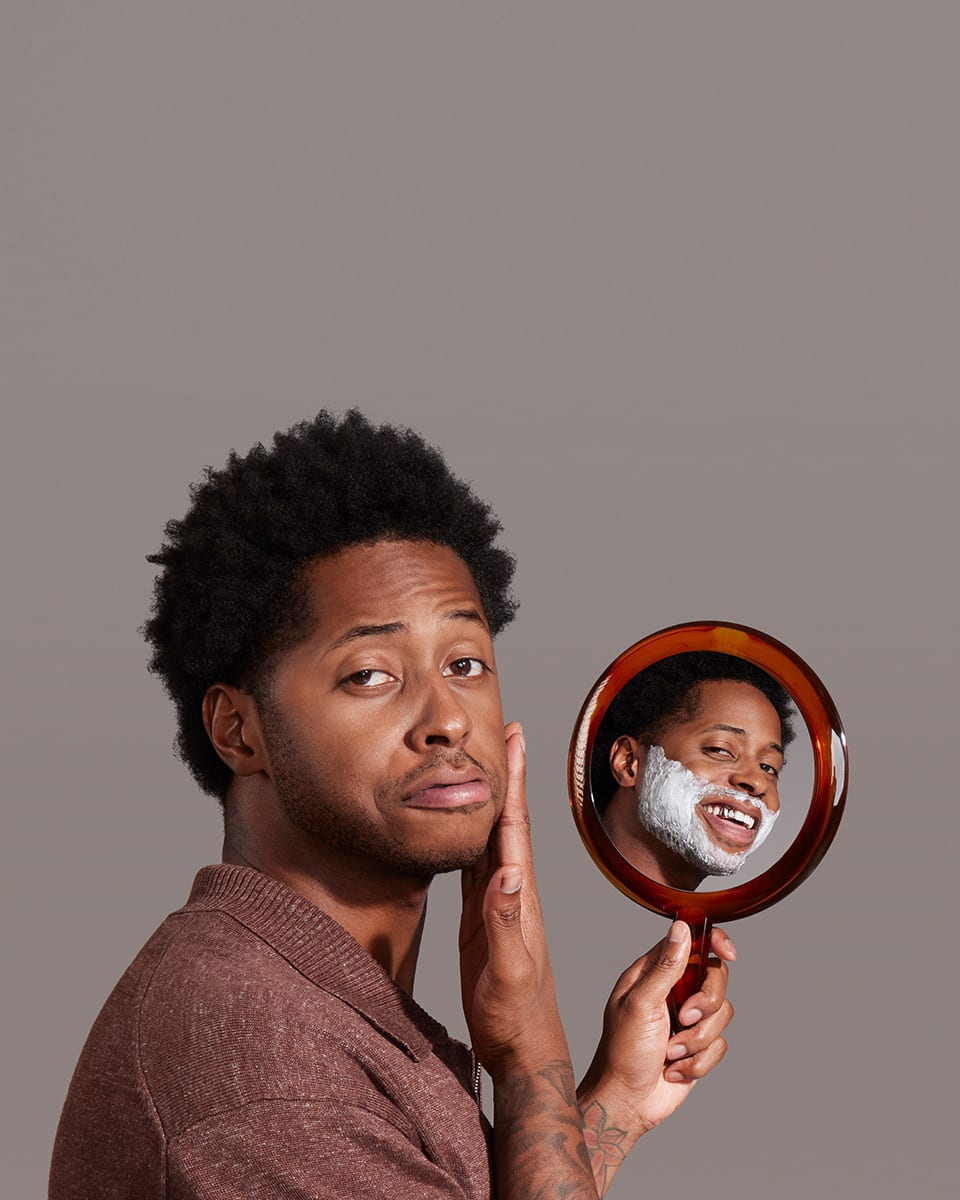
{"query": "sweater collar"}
[(319, 948)]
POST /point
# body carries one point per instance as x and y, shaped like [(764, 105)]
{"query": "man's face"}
[(712, 794), (384, 726)]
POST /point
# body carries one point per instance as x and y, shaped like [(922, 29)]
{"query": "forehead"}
[(733, 702), (388, 581)]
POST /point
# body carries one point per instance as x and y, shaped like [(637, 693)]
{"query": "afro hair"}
[(229, 596)]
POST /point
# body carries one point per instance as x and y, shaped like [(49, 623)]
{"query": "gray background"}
[(676, 285)]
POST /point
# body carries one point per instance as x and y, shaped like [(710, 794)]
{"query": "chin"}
[(440, 859), (721, 863)]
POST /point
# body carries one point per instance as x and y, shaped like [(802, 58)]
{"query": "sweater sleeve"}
[(305, 1150)]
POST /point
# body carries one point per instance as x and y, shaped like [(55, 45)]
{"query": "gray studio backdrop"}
[(676, 286)]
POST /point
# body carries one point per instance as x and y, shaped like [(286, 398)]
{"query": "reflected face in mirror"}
[(695, 787)]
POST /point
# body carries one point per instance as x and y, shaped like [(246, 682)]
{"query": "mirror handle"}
[(691, 981)]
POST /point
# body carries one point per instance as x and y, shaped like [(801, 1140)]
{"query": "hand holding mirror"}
[(676, 775)]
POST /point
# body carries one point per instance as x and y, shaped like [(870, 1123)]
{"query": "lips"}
[(448, 789), (730, 821)]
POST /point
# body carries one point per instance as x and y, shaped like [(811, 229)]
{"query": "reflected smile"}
[(732, 822), (730, 814)]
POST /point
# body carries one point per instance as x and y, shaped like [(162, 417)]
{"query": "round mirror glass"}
[(707, 771)]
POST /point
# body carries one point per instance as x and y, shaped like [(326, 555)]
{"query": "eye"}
[(718, 750), (369, 677), (770, 769), (466, 668)]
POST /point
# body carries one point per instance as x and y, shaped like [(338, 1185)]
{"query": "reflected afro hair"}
[(231, 595), (668, 692)]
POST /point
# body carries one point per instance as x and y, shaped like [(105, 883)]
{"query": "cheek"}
[(486, 734), (486, 720), (339, 749), (340, 728), (705, 768)]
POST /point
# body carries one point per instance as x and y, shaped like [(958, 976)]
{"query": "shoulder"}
[(216, 1046), (225, 1019), (270, 1057)]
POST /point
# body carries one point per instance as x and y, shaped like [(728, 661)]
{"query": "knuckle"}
[(667, 964), (694, 1042), (702, 1063), (507, 918), (514, 971), (708, 1059)]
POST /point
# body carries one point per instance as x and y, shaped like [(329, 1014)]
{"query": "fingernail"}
[(677, 933), (676, 1052), (691, 1016), (523, 740), (511, 883), (676, 1077)]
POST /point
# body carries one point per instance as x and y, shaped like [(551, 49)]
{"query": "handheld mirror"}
[(688, 771)]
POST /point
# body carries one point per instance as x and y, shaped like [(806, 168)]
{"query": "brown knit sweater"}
[(254, 1049)]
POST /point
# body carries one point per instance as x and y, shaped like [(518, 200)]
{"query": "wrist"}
[(527, 1057), (621, 1105)]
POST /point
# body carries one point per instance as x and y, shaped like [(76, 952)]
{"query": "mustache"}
[(454, 762), (725, 793)]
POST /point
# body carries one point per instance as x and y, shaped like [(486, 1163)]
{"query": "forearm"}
[(539, 1149), (609, 1130)]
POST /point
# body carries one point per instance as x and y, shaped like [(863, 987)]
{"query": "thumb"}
[(502, 916), (668, 967)]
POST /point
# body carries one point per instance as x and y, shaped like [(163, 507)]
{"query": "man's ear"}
[(627, 760), (233, 726)]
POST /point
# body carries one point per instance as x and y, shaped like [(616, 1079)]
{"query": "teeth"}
[(731, 814)]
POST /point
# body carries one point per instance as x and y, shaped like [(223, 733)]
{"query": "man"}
[(323, 621), (687, 763)]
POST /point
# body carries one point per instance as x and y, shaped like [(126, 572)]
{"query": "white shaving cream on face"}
[(667, 802)]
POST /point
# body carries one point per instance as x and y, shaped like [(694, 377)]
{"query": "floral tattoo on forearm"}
[(604, 1144)]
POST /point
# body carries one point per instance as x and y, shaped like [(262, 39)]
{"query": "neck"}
[(380, 908), (644, 851)]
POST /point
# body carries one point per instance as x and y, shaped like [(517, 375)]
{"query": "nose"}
[(754, 781), (440, 719)]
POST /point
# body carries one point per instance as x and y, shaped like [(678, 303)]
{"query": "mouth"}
[(734, 823), (449, 790)]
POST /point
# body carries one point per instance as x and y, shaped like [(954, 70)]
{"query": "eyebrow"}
[(743, 733), (365, 631), (465, 614)]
